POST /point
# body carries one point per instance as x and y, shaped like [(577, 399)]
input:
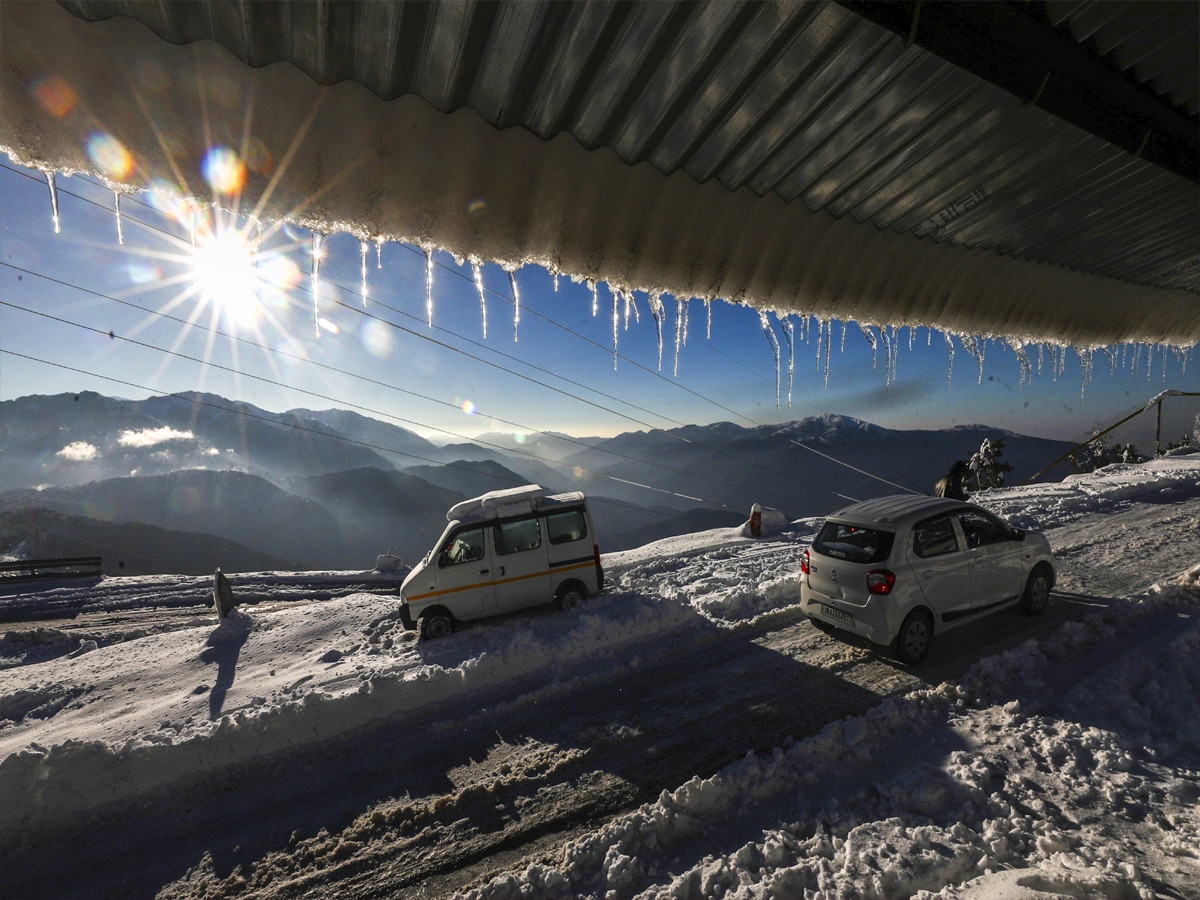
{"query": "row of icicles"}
[(1123, 355)]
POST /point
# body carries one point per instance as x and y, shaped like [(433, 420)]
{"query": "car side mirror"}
[(1017, 534)]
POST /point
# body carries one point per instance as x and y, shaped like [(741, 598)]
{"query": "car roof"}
[(896, 510)]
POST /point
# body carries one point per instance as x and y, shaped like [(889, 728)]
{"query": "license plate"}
[(837, 615)]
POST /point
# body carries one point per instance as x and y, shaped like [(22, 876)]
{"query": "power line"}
[(460, 351)]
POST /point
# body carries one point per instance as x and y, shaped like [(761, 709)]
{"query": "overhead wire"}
[(493, 350)]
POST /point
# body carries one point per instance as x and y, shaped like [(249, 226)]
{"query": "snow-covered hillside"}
[(688, 734)]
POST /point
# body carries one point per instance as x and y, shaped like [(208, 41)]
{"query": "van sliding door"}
[(520, 570)]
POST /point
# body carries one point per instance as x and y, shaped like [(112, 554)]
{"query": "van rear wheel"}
[(569, 598), (436, 625)]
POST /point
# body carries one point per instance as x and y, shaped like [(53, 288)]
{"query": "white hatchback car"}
[(898, 570)]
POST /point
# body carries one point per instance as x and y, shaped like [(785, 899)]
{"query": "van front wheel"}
[(436, 625), (569, 598)]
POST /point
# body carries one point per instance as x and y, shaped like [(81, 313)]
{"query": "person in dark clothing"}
[(951, 484)]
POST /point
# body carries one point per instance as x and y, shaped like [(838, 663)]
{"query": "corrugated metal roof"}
[(803, 100), (1156, 41), (981, 167)]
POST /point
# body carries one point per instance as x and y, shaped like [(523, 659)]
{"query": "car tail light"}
[(804, 562), (880, 581)]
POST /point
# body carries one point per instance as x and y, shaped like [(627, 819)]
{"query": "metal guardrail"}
[(1154, 403), (62, 567)]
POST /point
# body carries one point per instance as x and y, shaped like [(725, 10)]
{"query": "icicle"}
[(789, 335), (888, 354), (1085, 368), (428, 284), (556, 282), (631, 304), (512, 282), (1026, 369), (616, 323), (774, 342), (53, 201), (362, 269), (657, 312), (828, 338), (912, 333), (117, 207), (842, 348), (949, 360), (477, 270), (974, 346), (708, 309), (318, 241), (686, 306), (870, 336), (680, 319), (595, 298), (1149, 360), (379, 253), (1040, 348)]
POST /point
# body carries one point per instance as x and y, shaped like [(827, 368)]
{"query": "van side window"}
[(565, 527), (466, 546), (934, 538), (513, 537)]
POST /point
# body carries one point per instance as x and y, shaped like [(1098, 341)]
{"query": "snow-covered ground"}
[(1057, 757)]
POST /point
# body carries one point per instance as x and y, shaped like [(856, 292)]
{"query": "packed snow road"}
[(303, 750)]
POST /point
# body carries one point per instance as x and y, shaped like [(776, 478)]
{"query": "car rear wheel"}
[(912, 643), (1037, 592), (436, 625)]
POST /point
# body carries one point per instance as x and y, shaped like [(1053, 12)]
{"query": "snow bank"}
[(981, 786)]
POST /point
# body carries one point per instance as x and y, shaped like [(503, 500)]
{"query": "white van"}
[(501, 552)]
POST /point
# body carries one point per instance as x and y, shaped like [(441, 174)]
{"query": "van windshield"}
[(853, 543)]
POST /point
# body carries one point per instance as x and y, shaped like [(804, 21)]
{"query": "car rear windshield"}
[(853, 543)]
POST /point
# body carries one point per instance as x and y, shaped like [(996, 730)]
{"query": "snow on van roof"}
[(508, 502), (488, 505)]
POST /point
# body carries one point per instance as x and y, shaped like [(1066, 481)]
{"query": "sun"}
[(225, 275)]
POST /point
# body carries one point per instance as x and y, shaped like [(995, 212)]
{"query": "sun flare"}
[(223, 268)]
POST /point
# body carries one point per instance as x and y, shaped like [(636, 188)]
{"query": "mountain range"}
[(224, 483)]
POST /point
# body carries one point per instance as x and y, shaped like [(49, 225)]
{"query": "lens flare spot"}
[(327, 325), (377, 338), (223, 170), (468, 407), (56, 96), (109, 155), (143, 272), (476, 206), (258, 157)]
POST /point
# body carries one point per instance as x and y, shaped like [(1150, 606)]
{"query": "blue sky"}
[(448, 382)]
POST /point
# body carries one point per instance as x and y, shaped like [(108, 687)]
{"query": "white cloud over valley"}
[(149, 437), (79, 451)]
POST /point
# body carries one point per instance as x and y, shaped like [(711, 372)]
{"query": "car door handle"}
[(484, 571), (502, 571)]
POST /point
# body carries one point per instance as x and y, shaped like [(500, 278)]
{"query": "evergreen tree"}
[(987, 471)]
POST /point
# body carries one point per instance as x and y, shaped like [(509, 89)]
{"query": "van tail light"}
[(804, 562), (880, 581)]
